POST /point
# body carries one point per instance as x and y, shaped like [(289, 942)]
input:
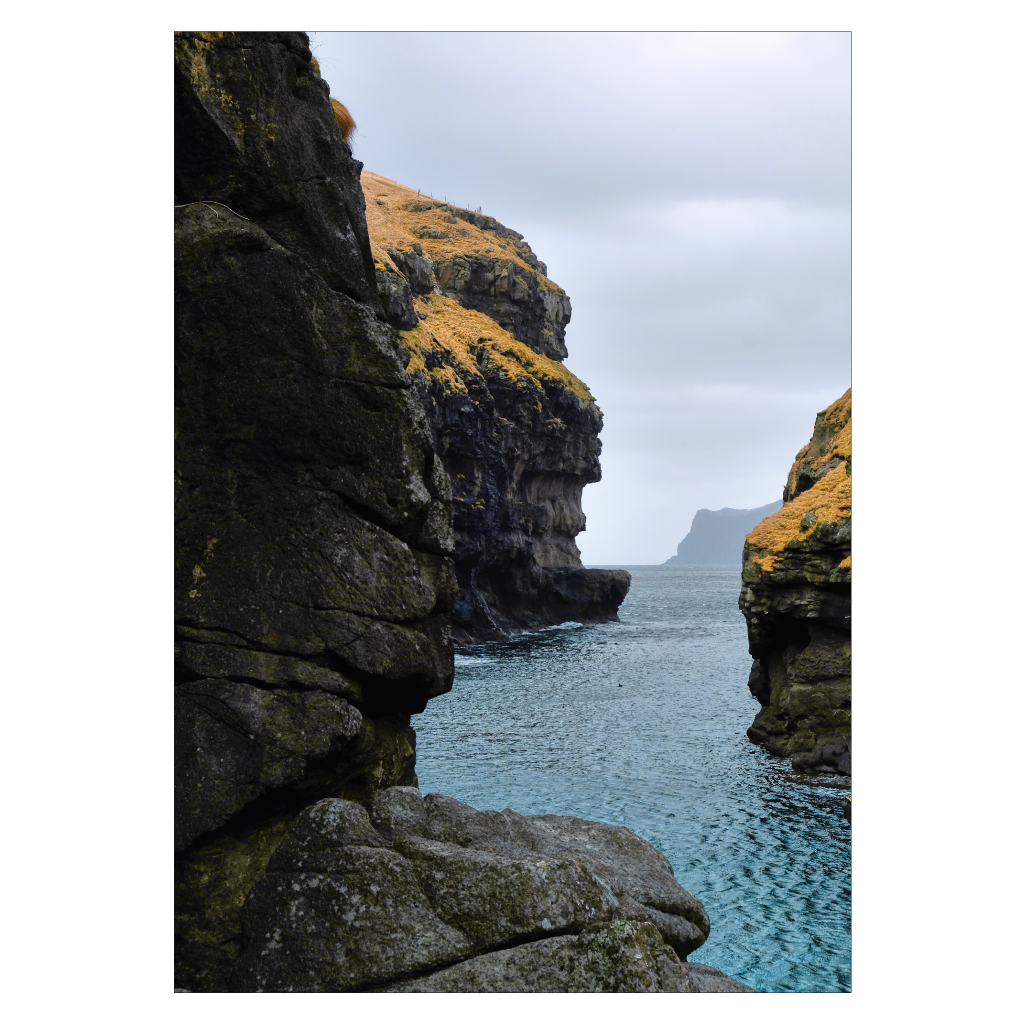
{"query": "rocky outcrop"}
[(483, 329), (314, 585), (313, 571), (421, 894), (716, 538), (796, 598)]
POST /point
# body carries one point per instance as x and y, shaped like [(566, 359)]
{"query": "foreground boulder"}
[(427, 894), (797, 572)]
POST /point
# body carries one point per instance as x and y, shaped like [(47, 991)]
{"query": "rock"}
[(516, 431), (796, 599), (396, 298), (620, 956), (428, 894), (313, 539), (716, 538), (314, 577)]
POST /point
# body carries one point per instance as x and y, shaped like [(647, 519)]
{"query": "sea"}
[(642, 723)]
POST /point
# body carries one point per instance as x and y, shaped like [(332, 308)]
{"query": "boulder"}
[(427, 894)]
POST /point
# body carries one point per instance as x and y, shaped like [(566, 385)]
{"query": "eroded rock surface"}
[(484, 333), (797, 573), (313, 541), (428, 894)]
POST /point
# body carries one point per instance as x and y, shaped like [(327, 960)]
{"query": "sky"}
[(691, 194)]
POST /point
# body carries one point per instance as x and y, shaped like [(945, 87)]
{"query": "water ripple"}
[(643, 723)]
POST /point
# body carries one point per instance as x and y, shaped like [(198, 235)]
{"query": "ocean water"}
[(642, 723)]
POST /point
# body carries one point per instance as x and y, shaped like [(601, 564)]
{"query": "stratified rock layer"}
[(313, 577), (429, 895), (796, 599), (484, 331)]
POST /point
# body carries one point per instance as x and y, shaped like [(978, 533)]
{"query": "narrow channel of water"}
[(643, 723)]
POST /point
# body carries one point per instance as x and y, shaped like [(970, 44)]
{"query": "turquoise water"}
[(642, 723)]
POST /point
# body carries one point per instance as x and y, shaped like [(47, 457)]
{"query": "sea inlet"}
[(642, 723)]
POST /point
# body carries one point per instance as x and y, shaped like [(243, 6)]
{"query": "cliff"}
[(716, 538), (797, 572), (483, 331), (314, 584), (313, 570)]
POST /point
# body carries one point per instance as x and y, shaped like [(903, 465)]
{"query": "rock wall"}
[(797, 574), (313, 542), (483, 328), (314, 585)]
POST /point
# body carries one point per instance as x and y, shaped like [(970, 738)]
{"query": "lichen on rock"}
[(797, 572), (313, 539), (426, 894)]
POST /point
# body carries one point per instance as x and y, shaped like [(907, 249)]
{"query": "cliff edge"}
[(797, 573), (314, 585), (483, 332)]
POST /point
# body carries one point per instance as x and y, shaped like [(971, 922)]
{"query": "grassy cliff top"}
[(401, 217), (828, 500), (471, 343), (468, 342)]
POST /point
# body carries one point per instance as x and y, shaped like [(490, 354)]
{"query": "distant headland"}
[(716, 537)]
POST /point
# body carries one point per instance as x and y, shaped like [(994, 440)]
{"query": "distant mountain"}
[(716, 538)]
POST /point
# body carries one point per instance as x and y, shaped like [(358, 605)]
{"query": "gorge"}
[(377, 452)]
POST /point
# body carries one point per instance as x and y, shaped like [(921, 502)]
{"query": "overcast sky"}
[(691, 194)]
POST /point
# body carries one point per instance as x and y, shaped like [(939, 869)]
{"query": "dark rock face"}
[(518, 461), (716, 538), (516, 431), (511, 296), (429, 895), (797, 571), (313, 571)]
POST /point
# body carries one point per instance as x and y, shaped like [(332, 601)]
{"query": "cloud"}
[(691, 193)]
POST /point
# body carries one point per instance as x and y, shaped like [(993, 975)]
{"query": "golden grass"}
[(391, 224), (345, 123), (840, 409), (846, 563), (471, 340), (829, 499), (842, 446)]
